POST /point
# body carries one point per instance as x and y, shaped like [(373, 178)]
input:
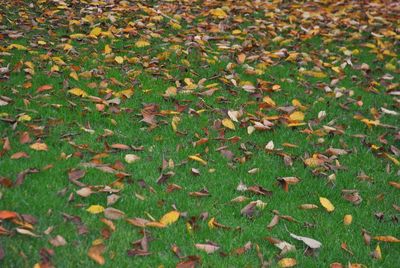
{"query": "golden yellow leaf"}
[(77, 36), (314, 74), (24, 117), (370, 123), (95, 31), (347, 219), (387, 238), (170, 217), (155, 224), (228, 123), (78, 92), (95, 209), (142, 43), (198, 159), (119, 59), (296, 116), (107, 49), (218, 13), (269, 101), (287, 262), (16, 46), (326, 204), (38, 146), (74, 75)]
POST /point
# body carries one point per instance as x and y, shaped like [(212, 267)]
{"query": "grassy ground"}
[(276, 62)]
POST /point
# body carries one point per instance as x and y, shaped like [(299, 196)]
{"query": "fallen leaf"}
[(95, 209), (209, 248), (170, 217), (326, 204), (95, 252), (287, 262), (38, 146), (113, 214)]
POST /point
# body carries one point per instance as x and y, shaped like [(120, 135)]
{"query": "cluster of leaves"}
[(212, 115)]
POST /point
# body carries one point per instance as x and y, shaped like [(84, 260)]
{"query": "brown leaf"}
[(139, 222), (21, 176), (113, 214), (259, 190), (95, 252), (44, 88), (19, 155), (273, 222), (58, 241), (249, 209)]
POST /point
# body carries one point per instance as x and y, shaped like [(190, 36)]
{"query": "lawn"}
[(199, 133)]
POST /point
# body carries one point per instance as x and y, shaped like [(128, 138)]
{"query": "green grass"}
[(38, 194)]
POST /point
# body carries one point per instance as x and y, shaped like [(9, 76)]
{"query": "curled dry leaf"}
[(387, 238), (209, 248), (311, 243), (26, 232), (308, 206)]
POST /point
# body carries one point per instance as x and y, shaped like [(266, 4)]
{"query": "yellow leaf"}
[(16, 46), (126, 93), (370, 123), (228, 123), (95, 31), (391, 67), (377, 252), (24, 117), (39, 146), (287, 262), (326, 204), (107, 49), (119, 59), (95, 209), (77, 36), (211, 223), (387, 238), (314, 74), (175, 123), (347, 219), (269, 101), (296, 116), (170, 217), (218, 13), (74, 75), (78, 92), (198, 159), (142, 43), (67, 47), (155, 224)]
